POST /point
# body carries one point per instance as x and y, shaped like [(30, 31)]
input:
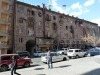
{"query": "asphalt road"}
[(81, 66), (37, 61)]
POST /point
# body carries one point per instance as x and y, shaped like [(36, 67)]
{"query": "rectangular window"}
[(10, 7), (32, 12), (66, 27), (20, 40)]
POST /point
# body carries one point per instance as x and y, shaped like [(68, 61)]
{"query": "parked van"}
[(76, 53)]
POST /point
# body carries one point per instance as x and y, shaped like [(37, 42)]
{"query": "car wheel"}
[(85, 55), (4, 68), (27, 64), (88, 54), (76, 56), (64, 59)]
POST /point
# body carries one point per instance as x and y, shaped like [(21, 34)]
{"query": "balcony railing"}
[(3, 33), (7, 1), (3, 44), (4, 21)]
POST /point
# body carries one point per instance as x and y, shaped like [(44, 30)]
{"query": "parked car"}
[(23, 53), (37, 54), (76, 53), (6, 60), (55, 57), (63, 51), (93, 52)]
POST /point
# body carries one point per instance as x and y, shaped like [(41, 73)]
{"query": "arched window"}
[(54, 17), (31, 21), (54, 26), (48, 17), (39, 14)]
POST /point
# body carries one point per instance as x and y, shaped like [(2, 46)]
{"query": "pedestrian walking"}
[(14, 65), (49, 60)]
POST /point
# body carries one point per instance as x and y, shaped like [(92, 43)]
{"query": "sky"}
[(84, 9)]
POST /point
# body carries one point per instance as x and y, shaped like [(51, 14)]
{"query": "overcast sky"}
[(84, 9)]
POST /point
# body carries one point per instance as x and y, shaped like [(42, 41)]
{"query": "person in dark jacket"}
[(49, 60), (14, 65)]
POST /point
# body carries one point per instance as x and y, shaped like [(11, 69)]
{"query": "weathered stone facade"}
[(49, 29), (33, 27)]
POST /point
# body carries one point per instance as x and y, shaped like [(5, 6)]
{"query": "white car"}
[(63, 51), (55, 57), (76, 53)]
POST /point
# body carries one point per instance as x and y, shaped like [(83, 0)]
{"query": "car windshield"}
[(43, 54), (62, 49), (38, 52), (70, 51)]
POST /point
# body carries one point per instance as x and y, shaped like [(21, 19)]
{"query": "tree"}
[(90, 39)]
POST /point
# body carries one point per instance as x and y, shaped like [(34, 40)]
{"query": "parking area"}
[(81, 66)]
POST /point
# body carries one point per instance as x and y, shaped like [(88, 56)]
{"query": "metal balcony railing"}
[(3, 33), (3, 44)]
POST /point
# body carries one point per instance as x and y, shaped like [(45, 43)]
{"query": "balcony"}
[(4, 21), (3, 33), (7, 1), (3, 44), (6, 11), (48, 17)]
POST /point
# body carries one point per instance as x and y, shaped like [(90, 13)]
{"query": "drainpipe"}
[(43, 11), (14, 24)]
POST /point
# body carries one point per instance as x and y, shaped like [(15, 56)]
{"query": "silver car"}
[(55, 57)]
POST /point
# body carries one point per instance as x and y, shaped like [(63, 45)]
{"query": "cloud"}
[(58, 8), (97, 21), (76, 6), (89, 2), (75, 9), (80, 10)]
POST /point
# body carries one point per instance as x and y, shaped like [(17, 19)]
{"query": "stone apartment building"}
[(48, 29), (37, 28)]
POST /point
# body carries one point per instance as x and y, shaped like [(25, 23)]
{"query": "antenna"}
[(49, 4)]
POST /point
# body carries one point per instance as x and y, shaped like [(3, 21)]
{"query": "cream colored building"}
[(6, 14)]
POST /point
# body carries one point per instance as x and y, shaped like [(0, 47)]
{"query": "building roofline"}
[(49, 10)]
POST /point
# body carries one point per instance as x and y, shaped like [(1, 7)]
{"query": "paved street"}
[(37, 61), (81, 66)]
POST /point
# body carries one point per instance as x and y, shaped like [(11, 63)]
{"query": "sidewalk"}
[(81, 66)]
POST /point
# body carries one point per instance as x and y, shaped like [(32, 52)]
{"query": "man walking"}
[(14, 66), (49, 60)]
